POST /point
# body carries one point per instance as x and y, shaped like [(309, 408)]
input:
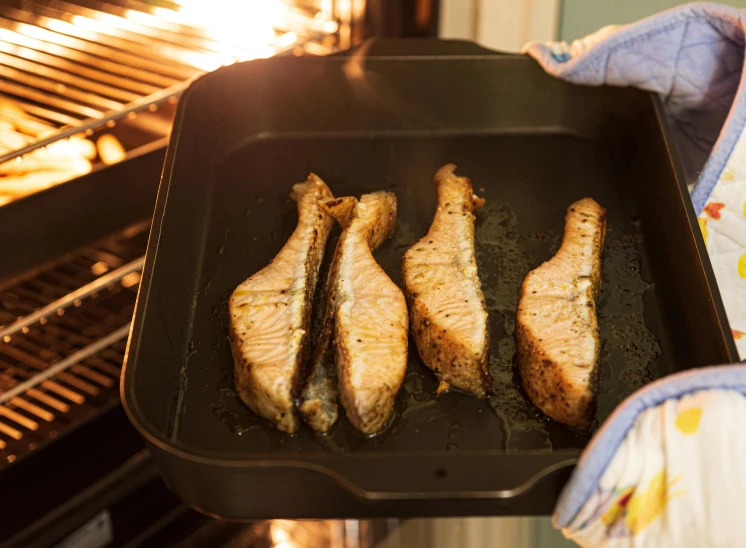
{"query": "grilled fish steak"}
[(370, 313), (448, 312), (270, 313), (556, 325)]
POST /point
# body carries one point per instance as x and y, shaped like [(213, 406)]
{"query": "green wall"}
[(581, 17)]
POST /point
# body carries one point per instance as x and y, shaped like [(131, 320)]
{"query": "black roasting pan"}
[(386, 117)]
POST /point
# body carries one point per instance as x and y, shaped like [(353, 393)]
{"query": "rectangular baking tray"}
[(386, 117)]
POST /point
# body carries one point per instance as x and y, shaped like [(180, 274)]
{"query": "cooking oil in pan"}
[(503, 262), (628, 347)]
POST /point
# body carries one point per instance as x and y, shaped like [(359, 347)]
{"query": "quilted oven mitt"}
[(668, 468)]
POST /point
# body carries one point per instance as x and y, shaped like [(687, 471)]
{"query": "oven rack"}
[(63, 340), (72, 66)]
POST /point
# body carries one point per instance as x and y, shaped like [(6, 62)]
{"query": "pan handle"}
[(448, 476)]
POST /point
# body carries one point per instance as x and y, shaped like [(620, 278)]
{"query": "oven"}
[(88, 90)]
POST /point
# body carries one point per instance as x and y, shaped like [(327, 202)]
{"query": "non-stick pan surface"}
[(531, 145)]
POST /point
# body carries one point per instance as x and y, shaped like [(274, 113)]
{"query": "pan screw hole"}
[(440, 473)]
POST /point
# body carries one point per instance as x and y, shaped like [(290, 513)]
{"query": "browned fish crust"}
[(446, 304), (556, 326), (270, 314)]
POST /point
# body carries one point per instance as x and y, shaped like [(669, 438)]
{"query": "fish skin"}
[(318, 405), (556, 325), (449, 318), (270, 313), (370, 313)]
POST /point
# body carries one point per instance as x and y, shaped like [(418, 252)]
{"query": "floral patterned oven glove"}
[(669, 466)]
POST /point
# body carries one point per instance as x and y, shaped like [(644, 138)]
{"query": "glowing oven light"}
[(280, 534), (246, 24)]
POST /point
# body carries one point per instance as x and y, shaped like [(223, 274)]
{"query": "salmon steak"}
[(270, 313), (370, 313), (556, 326), (446, 304)]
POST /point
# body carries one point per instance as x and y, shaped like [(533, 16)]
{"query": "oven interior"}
[(85, 82)]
